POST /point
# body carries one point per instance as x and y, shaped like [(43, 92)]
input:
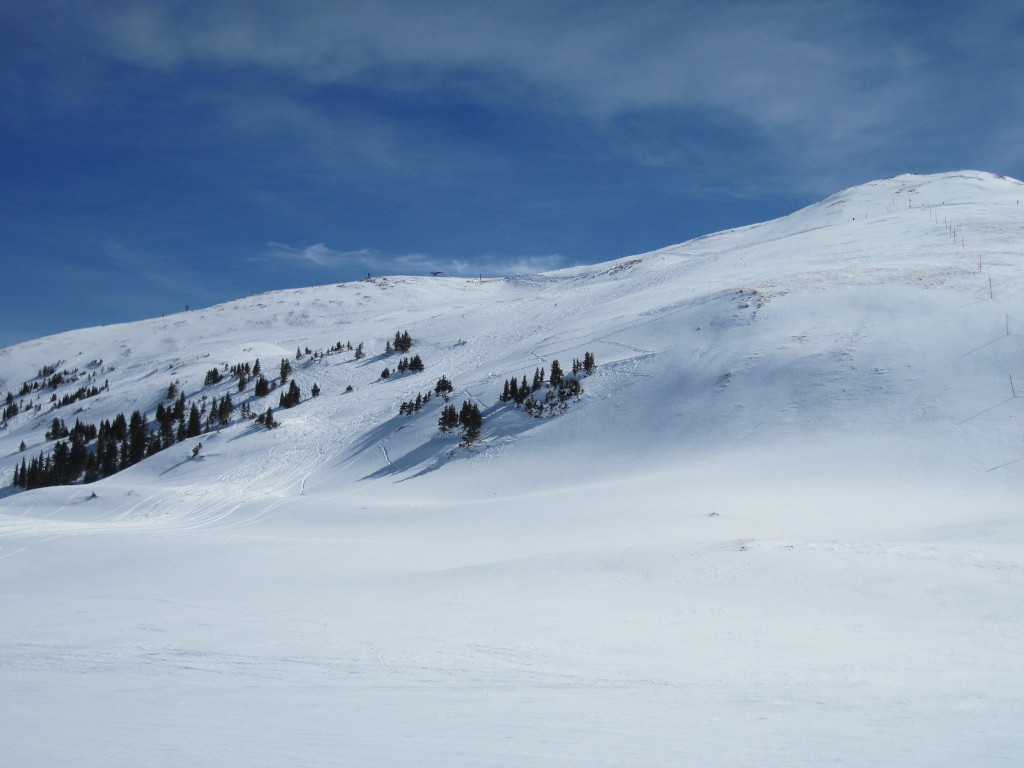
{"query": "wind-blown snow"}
[(781, 527)]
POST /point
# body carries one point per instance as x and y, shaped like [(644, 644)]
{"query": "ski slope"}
[(781, 526)]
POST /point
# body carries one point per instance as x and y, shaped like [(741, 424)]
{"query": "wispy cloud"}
[(825, 83), (378, 262)]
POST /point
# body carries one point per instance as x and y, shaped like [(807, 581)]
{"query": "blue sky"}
[(155, 155)]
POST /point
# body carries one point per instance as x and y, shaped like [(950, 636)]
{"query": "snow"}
[(782, 526)]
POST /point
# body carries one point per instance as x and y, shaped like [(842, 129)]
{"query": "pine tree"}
[(443, 387), (359, 351), (556, 374), (292, 397), (589, 363), (225, 409), (315, 391), (179, 409), (471, 420), (449, 419), (194, 428), (286, 369), (403, 341)]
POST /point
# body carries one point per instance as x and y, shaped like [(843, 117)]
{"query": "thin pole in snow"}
[(1013, 391)]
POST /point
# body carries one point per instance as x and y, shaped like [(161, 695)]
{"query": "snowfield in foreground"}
[(782, 525)]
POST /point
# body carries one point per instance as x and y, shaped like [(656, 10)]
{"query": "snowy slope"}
[(781, 526)]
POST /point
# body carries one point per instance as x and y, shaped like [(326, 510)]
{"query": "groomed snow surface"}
[(781, 527)]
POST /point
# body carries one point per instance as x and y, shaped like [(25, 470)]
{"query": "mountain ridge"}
[(780, 525), (704, 303)]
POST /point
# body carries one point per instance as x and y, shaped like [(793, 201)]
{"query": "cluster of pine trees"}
[(548, 394), (409, 407), (11, 407), (49, 377), (405, 365), (402, 343), (442, 388), (119, 444), (292, 397), (468, 417), (80, 394), (126, 441)]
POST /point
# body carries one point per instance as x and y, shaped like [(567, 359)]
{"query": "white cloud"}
[(380, 263), (838, 89), (777, 63)]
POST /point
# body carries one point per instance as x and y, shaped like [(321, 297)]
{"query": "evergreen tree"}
[(471, 420), (195, 427), (315, 391), (138, 438), (286, 369), (449, 419), (107, 455), (262, 387), (225, 409), (359, 351), (556, 374), (385, 374), (403, 341), (292, 397), (267, 419), (443, 387), (166, 430), (589, 363)]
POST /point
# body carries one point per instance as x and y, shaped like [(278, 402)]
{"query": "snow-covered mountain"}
[(780, 526)]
